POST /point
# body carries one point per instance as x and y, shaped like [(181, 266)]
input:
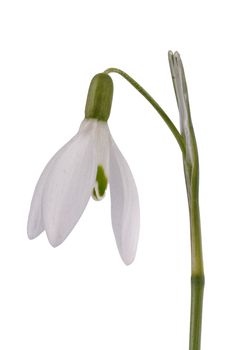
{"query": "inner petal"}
[(102, 147)]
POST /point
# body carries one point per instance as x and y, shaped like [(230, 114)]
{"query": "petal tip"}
[(32, 233), (128, 260), (54, 241), (54, 244), (127, 255)]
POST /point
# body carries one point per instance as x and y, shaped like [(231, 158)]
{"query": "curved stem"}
[(188, 146), (150, 99)]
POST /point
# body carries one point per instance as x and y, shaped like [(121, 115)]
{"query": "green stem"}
[(197, 289), (197, 279), (191, 171), (149, 98)]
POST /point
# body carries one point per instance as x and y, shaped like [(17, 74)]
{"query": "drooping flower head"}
[(82, 168)]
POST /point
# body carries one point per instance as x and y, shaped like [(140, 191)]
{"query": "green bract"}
[(99, 98)]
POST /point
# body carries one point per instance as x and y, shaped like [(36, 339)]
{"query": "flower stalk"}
[(187, 143), (150, 99)]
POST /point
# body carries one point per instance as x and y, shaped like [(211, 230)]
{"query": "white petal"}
[(35, 220), (102, 153), (69, 186), (103, 139), (124, 205)]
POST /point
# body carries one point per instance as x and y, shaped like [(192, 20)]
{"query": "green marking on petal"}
[(102, 180), (101, 184)]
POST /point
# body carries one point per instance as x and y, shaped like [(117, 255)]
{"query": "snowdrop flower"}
[(83, 168)]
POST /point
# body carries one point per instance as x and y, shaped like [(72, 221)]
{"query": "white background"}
[(81, 295)]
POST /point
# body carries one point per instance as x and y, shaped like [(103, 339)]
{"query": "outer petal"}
[(69, 186), (124, 205), (35, 221)]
